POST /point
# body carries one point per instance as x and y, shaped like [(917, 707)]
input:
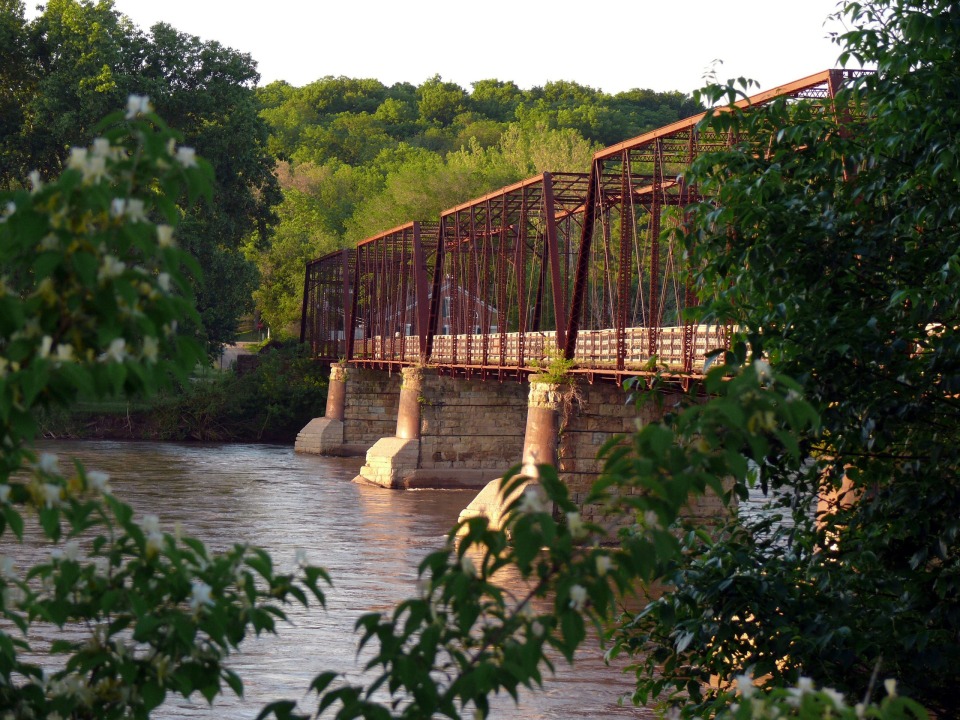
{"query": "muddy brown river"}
[(369, 539)]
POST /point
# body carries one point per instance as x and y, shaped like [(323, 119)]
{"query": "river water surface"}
[(369, 539)]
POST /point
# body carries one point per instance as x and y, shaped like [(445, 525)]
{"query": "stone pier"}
[(361, 408), (450, 433), (540, 444), (421, 429)]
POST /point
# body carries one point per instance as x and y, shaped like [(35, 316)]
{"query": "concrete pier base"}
[(391, 459), (540, 440), (324, 435)]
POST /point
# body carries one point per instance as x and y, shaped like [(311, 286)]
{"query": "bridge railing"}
[(597, 351)]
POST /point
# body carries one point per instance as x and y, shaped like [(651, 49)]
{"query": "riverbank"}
[(270, 401)]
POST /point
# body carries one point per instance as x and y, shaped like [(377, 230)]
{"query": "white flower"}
[(200, 595), (50, 242), (154, 541), (45, 344), (77, 159), (186, 156), (745, 685), (137, 105), (101, 147), (604, 563), (13, 596), (49, 463), (300, 557), (71, 550), (762, 368), (890, 685), (466, 564), (9, 209), (101, 566), (51, 495), (35, 182), (860, 710), (150, 349), (64, 353), (835, 696), (165, 236), (97, 480), (651, 520), (163, 280), (804, 686), (117, 207), (578, 596), (6, 567), (575, 524), (150, 523), (135, 210), (532, 500), (536, 627), (111, 268), (117, 351), (94, 169)]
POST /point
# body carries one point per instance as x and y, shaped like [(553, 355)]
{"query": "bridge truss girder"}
[(585, 266)]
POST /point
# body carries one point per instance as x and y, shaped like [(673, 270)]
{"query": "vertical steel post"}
[(553, 250), (590, 208), (350, 301), (624, 271), (653, 326)]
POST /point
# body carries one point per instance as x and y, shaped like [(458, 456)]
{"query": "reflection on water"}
[(369, 539)]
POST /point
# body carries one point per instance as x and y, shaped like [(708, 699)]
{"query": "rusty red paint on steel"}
[(501, 279)]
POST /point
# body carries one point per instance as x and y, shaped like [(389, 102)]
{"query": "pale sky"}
[(612, 45)]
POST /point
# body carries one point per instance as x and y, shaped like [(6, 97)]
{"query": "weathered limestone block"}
[(389, 460), (321, 436)]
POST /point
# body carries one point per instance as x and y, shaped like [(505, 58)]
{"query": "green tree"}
[(424, 184), (18, 76), (206, 91), (351, 138), (305, 230), (86, 58), (84, 54), (440, 102), (495, 99), (540, 149), (835, 250)]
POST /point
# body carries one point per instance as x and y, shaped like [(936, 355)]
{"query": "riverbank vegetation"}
[(271, 401), (837, 252)]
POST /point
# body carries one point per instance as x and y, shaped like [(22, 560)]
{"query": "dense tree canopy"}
[(380, 156), (837, 252), (78, 59)]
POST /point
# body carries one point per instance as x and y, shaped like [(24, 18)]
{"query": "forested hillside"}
[(352, 156), (356, 157)]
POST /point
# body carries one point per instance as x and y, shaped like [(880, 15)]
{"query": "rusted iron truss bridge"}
[(561, 265)]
